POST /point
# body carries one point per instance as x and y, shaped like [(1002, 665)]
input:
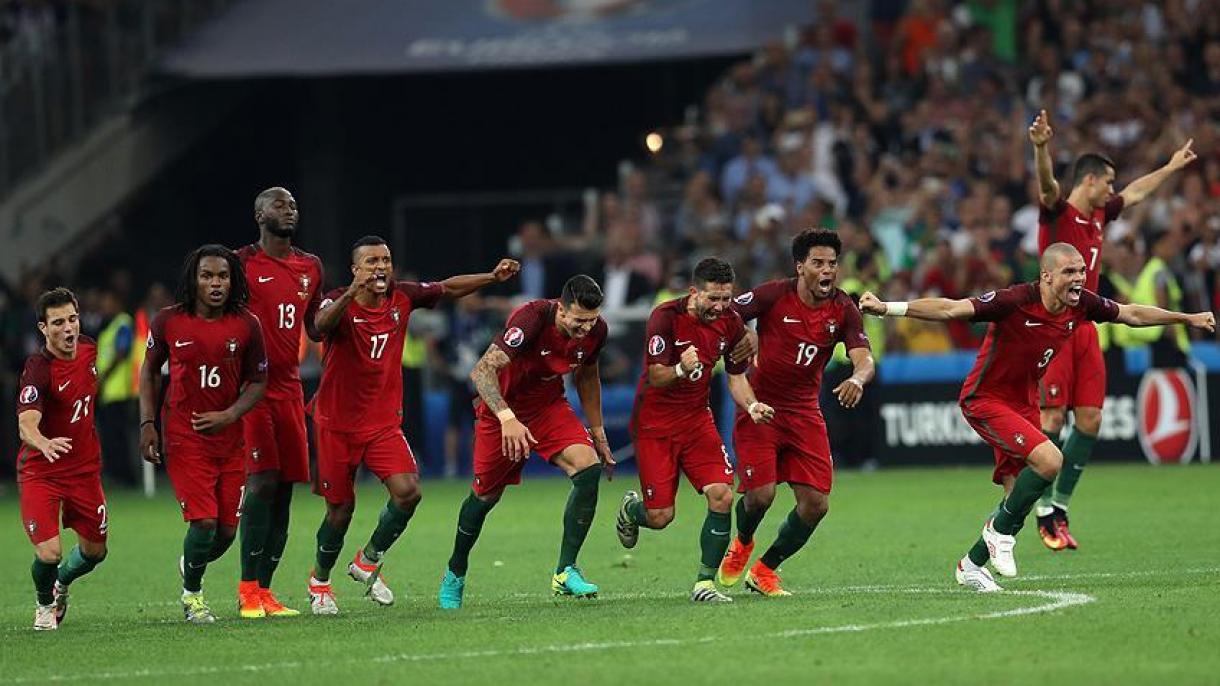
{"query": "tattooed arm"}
[(515, 438)]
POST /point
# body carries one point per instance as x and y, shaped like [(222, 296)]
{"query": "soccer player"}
[(217, 372), (799, 322), (673, 425), (1029, 324), (284, 284), (522, 409), (59, 465), (357, 410), (1077, 379)]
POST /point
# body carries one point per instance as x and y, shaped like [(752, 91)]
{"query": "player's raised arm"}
[(1149, 315), (1044, 168), (588, 382), (332, 309), (464, 285), (932, 309), (1146, 185)]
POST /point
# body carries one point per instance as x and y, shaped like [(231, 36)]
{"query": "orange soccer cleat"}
[(734, 563), (250, 600), (762, 579), (1049, 534), (273, 607)]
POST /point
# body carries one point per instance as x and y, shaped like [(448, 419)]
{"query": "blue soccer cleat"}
[(452, 588), (571, 582)]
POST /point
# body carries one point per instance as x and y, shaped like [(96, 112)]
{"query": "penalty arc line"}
[(1059, 600)]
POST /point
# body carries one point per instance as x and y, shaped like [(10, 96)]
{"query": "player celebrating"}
[(1077, 380), (1029, 324), (284, 285), (357, 410), (799, 322), (59, 462), (673, 425), (217, 372), (522, 409)]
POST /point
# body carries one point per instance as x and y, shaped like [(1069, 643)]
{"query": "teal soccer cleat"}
[(571, 582), (452, 588)]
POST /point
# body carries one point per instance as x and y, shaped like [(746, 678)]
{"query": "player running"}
[(59, 463), (673, 425), (284, 284), (522, 409), (217, 372), (357, 410), (1029, 324), (799, 322), (1076, 380)]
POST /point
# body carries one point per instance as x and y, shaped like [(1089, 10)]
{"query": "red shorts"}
[(792, 449), (274, 432), (696, 449), (207, 486), (82, 500), (1013, 431), (556, 428), (1076, 377), (384, 452)]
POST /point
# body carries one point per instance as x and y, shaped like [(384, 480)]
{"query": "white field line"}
[(1058, 600)]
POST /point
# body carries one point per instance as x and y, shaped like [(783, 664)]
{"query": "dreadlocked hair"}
[(188, 283)]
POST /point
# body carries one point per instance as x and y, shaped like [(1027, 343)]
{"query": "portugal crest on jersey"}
[(830, 327), (304, 292), (394, 314), (231, 346), (93, 369)]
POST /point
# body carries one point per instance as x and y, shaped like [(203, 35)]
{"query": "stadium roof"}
[(325, 37)]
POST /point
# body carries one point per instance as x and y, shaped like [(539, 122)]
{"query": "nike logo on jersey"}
[(790, 320), (1081, 221), (265, 279), (677, 343), (544, 353), (358, 320), (65, 384), (182, 344), (1029, 323)]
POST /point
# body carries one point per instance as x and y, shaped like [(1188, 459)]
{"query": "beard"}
[(275, 229)]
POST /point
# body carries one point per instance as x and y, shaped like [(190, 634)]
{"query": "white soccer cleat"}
[(374, 583), (975, 577), (61, 602), (1000, 547), (322, 598), (44, 618)]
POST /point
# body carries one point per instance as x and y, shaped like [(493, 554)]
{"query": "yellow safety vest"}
[(117, 386), (414, 352), (1143, 292)]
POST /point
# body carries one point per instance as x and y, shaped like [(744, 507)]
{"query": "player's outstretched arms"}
[(863, 370), (1149, 315), (1146, 185), (743, 395), (464, 285), (1044, 168), (588, 382), (51, 448), (660, 375), (932, 309), (515, 437)]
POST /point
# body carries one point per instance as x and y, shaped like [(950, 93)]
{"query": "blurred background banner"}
[(323, 37)]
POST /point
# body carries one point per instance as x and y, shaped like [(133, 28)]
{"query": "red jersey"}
[(540, 355), (795, 341), (284, 294), (209, 363), (670, 330), (1022, 339), (64, 391), (1063, 223), (361, 387)]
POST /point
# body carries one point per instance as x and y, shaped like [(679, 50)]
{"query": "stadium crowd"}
[(906, 132)]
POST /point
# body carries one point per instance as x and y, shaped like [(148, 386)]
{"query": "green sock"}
[(220, 546), (747, 522), (793, 534), (978, 553), (277, 538), (390, 525), (1076, 452), (255, 523), (637, 513), (578, 514), (44, 580), (713, 541), (195, 548), (470, 523), (330, 544), (1044, 503), (1025, 492), (76, 565)]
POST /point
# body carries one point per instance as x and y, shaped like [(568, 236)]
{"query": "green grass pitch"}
[(875, 600)]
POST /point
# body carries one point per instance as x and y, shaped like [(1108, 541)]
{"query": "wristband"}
[(679, 371), (505, 415), (751, 406), (147, 421), (896, 309)]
